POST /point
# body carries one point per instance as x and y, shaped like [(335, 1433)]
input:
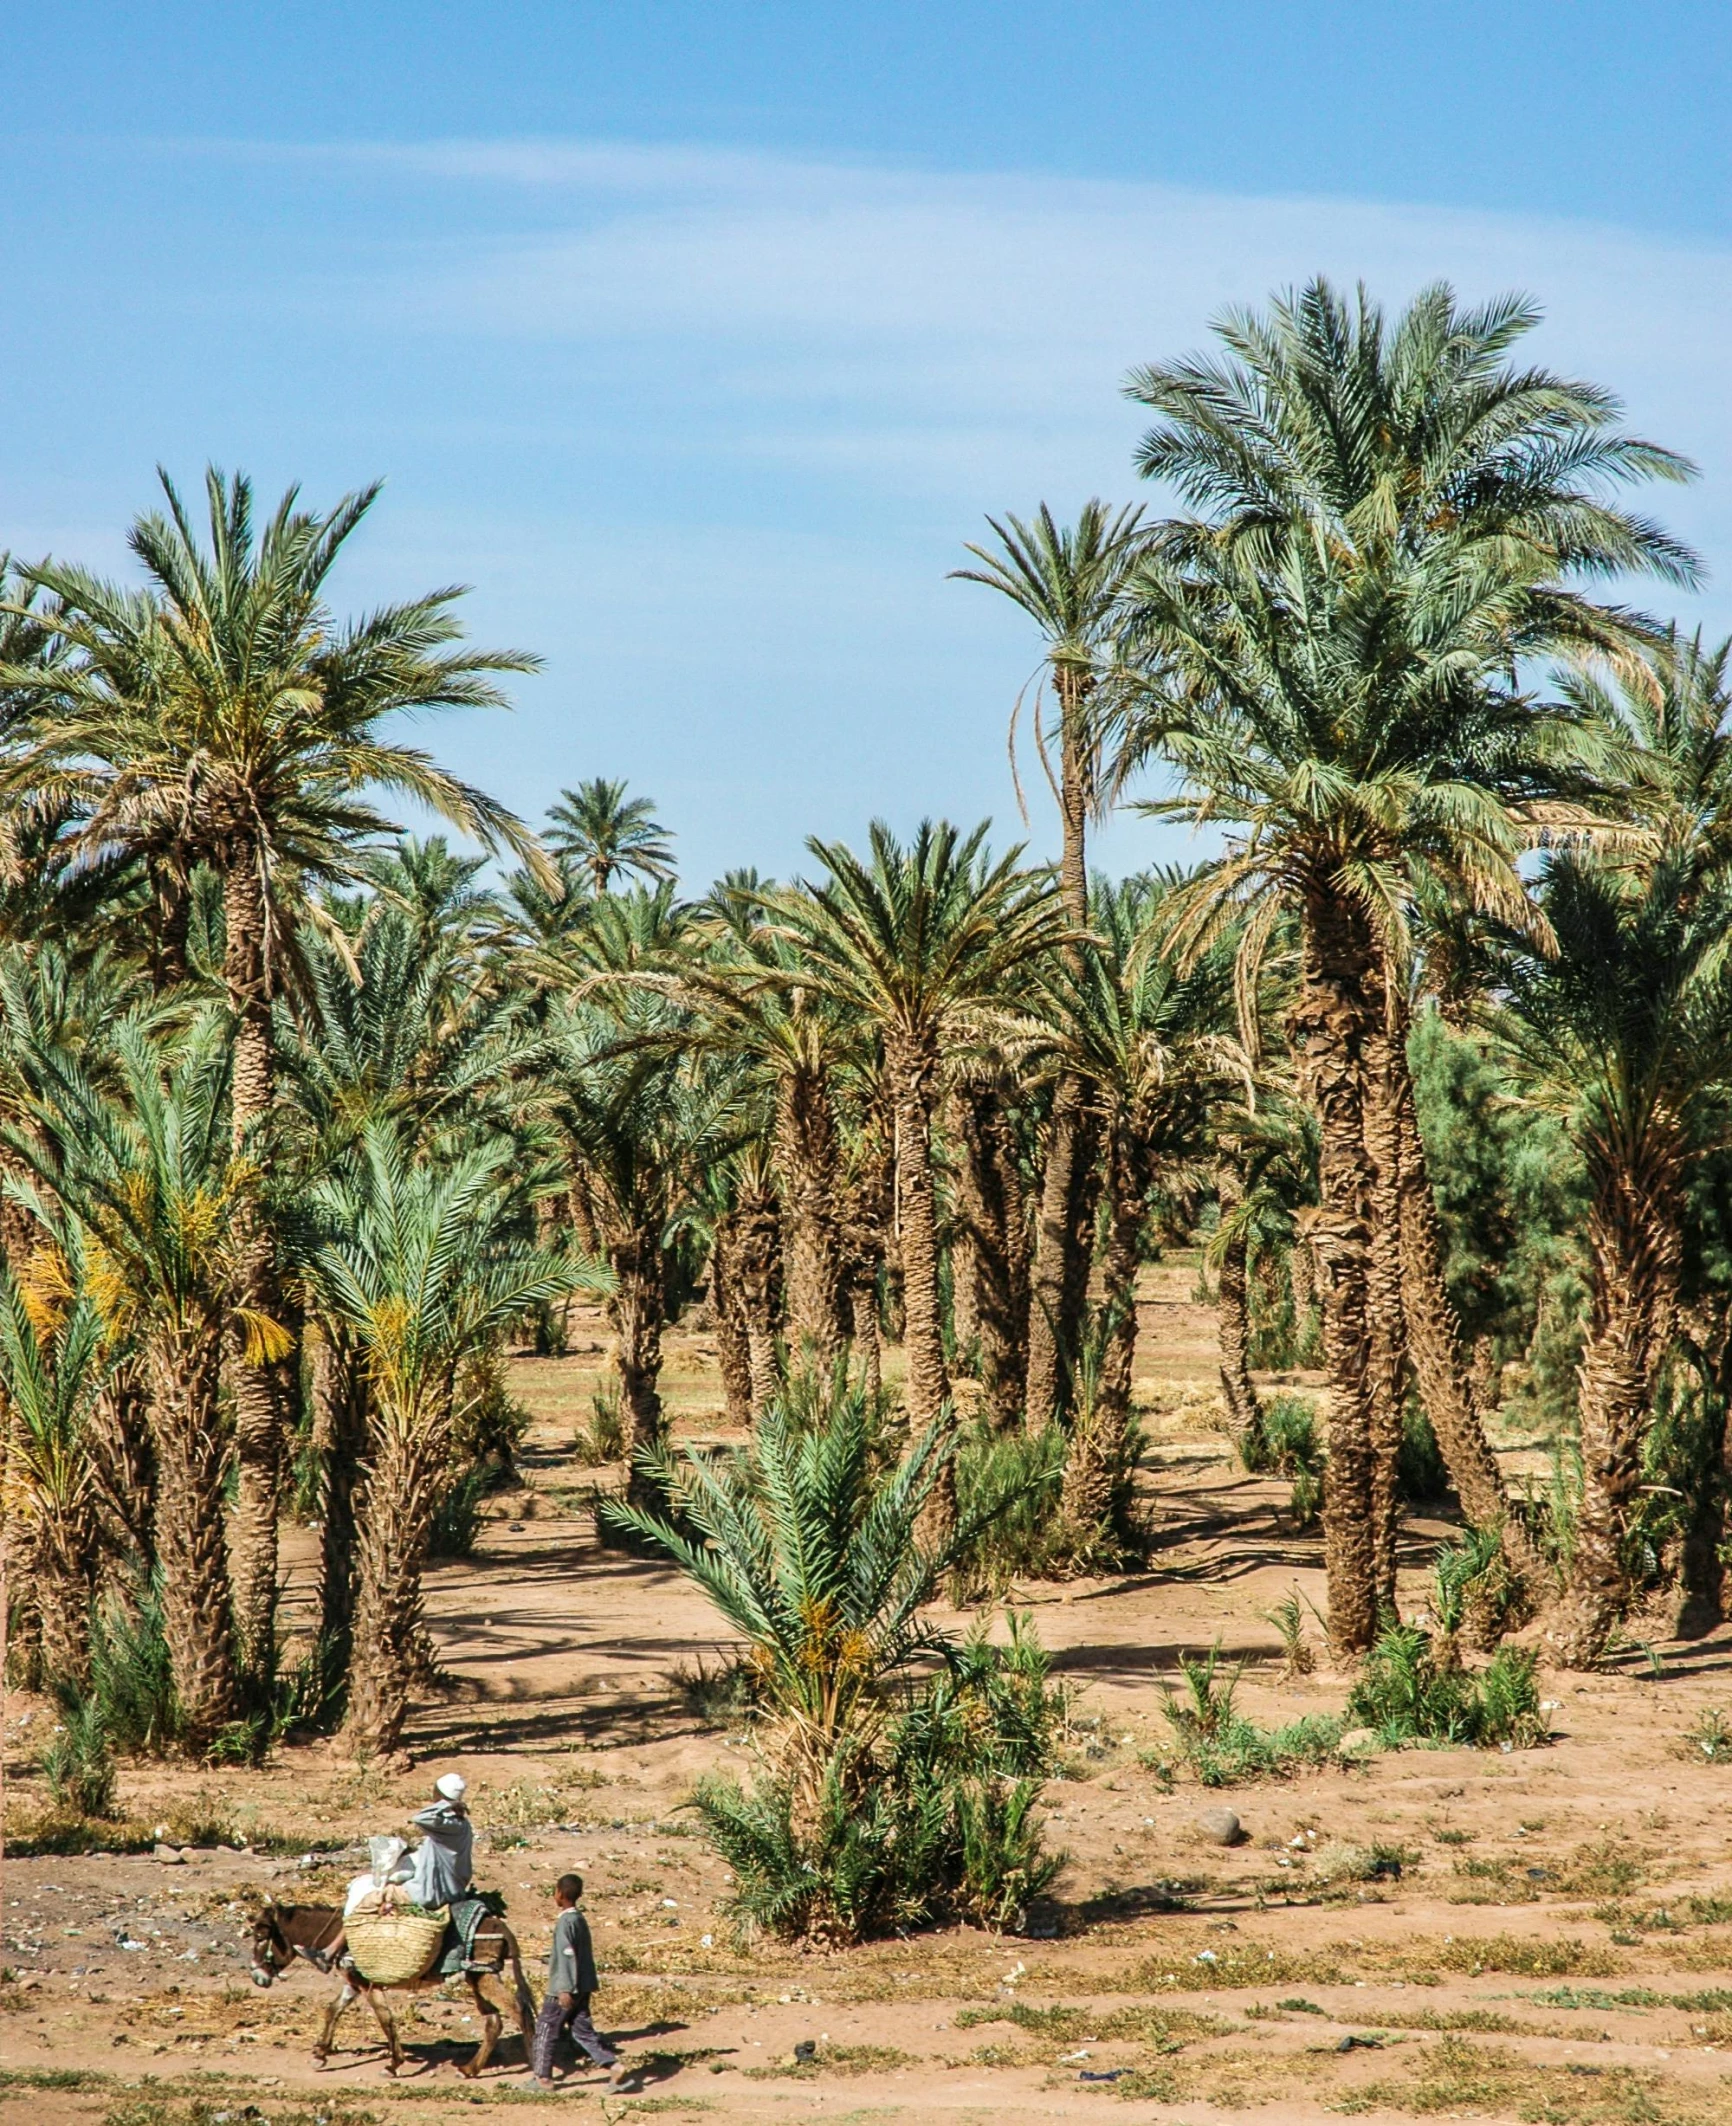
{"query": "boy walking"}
[(571, 1982)]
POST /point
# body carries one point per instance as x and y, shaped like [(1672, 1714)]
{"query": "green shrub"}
[(131, 1679), (1710, 1738), (890, 1793), (456, 1521), (1220, 1746), (79, 1764), (1472, 1594), (1007, 1494), (1409, 1691), (602, 1440), (1283, 1441)]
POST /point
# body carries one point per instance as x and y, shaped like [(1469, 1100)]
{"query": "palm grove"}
[(304, 1121)]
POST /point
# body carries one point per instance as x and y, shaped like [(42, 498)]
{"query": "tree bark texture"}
[(1434, 1343), (1385, 1316), (182, 1371), (733, 1351), (1058, 1276), (1097, 1442), (991, 1219), (808, 1162), (1633, 1242), (405, 1469), (339, 1396), (636, 1308), (260, 1396), (913, 1070), (755, 1274), (1330, 1022), (1233, 1316)]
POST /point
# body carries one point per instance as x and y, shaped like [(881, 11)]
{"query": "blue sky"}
[(699, 338)]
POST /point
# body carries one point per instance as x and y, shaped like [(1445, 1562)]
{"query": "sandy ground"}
[(1557, 1947)]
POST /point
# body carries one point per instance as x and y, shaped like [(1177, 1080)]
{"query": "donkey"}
[(283, 1932)]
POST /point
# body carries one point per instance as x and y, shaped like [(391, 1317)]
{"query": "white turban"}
[(451, 1787)]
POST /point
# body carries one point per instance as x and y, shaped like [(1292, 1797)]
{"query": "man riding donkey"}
[(435, 1883)]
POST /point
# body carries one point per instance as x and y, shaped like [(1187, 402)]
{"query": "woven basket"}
[(395, 1947)]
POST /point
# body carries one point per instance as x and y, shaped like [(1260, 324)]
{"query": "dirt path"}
[(1557, 1944)]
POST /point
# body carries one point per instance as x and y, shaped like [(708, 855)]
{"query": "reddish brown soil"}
[(1557, 1947)]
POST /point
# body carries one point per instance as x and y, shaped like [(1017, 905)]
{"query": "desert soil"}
[(1557, 1945)]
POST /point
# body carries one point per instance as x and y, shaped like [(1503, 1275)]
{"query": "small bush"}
[(1472, 1594), (1220, 1746), (131, 1678), (79, 1764), (722, 1696), (1710, 1738), (490, 1423), (1007, 1494), (1283, 1441), (1288, 1618), (1409, 1691), (456, 1522), (602, 1441)]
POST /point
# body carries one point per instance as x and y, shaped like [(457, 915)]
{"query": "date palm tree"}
[(601, 834), (224, 716), (923, 942), (423, 1265), (1388, 516), (1151, 1035), (160, 1200), (1067, 579), (55, 1360), (1623, 1030)]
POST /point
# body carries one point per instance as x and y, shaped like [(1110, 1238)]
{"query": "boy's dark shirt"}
[(571, 1966)]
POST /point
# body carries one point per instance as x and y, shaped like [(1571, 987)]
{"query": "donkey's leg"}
[(327, 2036), (492, 2022), (387, 2021)]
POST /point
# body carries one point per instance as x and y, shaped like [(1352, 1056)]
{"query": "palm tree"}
[(1389, 514), (600, 832), (223, 716), (923, 943), (159, 1194), (1623, 1030), (989, 1248), (642, 1126), (1068, 581), (422, 1264), (55, 1360), (1150, 1035)]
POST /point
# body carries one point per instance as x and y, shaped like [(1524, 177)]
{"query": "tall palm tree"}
[(1151, 1036), (603, 835), (224, 716), (1389, 514), (1068, 580), (924, 942), (1623, 1029), (158, 1193), (422, 1264), (642, 1125)]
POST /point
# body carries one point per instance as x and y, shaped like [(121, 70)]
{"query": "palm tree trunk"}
[(124, 1460), (637, 1308), (1633, 1241), (1097, 1442), (1434, 1342), (1058, 1282), (396, 1515), (913, 1067), (807, 1155), (1330, 1023), (1385, 1316), (733, 1349), (755, 1265), (182, 1374), (259, 1395), (339, 1394), (989, 1202), (1233, 1315), (57, 1571)]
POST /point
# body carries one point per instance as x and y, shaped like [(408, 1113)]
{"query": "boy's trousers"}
[(552, 2024)]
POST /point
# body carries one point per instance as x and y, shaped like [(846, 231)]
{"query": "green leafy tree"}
[(1389, 512), (223, 716), (602, 835)]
